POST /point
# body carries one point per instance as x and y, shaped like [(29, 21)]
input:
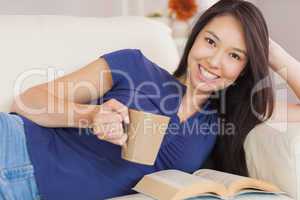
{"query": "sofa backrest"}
[(37, 45)]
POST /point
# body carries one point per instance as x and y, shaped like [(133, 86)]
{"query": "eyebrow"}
[(213, 34), (241, 51), (236, 49)]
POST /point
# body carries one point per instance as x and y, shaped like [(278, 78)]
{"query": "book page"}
[(178, 179), (235, 183), (133, 197), (220, 177), (253, 184), (254, 191), (175, 184)]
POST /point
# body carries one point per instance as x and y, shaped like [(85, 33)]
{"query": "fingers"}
[(112, 117), (111, 130), (108, 122), (121, 109), (118, 139)]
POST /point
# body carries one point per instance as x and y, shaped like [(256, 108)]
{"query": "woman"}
[(53, 154)]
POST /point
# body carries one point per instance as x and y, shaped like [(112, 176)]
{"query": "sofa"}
[(38, 48)]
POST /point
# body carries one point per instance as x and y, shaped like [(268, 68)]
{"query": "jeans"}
[(17, 181)]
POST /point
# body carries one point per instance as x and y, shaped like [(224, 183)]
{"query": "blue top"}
[(72, 163)]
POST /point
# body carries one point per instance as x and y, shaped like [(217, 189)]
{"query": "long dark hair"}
[(234, 102)]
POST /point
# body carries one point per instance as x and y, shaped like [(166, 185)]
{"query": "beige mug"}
[(145, 135)]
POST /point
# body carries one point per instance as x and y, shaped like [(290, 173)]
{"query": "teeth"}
[(207, 74)]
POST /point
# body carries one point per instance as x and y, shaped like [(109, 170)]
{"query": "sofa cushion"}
[(37, 45), (273, 154)]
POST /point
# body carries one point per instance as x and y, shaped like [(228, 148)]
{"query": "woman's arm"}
[(289, 69), (61, 102)]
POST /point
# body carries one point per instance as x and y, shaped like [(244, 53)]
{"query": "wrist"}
[(279, 58), (84, 114)]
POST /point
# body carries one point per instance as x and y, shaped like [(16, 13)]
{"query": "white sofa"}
[(35, 48)]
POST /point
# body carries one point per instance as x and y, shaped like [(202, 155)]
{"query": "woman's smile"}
[(206, 76)]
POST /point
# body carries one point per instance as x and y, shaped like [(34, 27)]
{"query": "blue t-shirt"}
[(72, 163)]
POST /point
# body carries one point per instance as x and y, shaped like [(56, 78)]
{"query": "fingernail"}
[(127, 120)]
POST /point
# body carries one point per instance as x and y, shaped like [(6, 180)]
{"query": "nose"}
[(215, 59)]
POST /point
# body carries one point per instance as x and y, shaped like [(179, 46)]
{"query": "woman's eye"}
[(235, 56), (210, 41)]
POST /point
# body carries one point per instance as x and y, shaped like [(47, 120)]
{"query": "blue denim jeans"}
[(17, 181)]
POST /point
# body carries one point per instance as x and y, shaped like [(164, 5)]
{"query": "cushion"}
[(38, 48), (272, 154)]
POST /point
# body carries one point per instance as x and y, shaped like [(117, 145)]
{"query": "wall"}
[(282, 17), (95, 8)]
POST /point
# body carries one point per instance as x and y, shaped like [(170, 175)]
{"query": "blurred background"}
[(281, 15)]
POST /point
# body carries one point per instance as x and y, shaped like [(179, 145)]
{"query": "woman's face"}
[(218, 55)]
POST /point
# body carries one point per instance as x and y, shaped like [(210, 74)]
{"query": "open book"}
[(175, 184)]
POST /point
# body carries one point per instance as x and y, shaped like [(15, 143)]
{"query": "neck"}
[(192, 102)]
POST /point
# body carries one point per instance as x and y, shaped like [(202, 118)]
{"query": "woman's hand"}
[(288, 68), (107, 122), (277, 56)]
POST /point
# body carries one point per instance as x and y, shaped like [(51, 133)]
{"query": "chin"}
[(201, 87)]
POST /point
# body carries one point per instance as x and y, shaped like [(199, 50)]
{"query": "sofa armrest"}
[(273, 154)]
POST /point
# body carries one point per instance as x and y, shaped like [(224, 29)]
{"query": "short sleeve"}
[(123, 65)]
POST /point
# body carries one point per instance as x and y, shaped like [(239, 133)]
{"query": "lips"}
[(206, 75)]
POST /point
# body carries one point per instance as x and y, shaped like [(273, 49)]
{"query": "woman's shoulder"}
[(133, 64)]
